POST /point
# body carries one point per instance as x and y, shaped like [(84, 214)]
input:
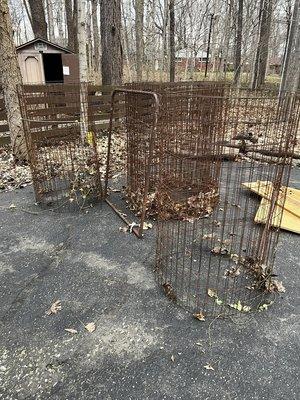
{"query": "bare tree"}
[(139, 41), (290, 79), (83, 66), (50, 19), (71, 18), (112, 53), (261, 57), (38, 19), (11, 78), (238, 43), (172, 40), (96, 35)]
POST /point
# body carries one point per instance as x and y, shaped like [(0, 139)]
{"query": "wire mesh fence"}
[(180, 112), (61, 123), (199, 157), (212, 255)]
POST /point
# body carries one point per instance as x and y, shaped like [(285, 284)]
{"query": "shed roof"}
[(39, 39)]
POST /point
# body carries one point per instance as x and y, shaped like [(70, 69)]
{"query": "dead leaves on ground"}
[(90, 327), (209, 367), (199, 316), (55, 307), (129, 228), (12, 176), (71, 330), (273, 286)]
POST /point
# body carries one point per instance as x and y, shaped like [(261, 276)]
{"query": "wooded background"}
[(247, 42), (139, 39)]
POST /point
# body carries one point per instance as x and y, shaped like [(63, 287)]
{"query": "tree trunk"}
[(126, 43), (11, 78), (238, 43), (165, 47), (111, 44), (290, 79), (225, 50), (50, 19), (172, 41), (139, 41), (261, 58), (96, 36), (89, 42), (60, 23), (83, 67), (39, 25), (71, 19)]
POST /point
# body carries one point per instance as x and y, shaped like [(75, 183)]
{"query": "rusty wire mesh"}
[(180, 112), (60, 123), (211, 255)]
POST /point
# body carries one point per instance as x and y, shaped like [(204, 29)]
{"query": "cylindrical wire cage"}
[(215, 250), (181, 116), (60, 137)]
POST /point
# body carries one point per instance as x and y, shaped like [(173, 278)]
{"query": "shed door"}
[(70, 68), (32, 71)]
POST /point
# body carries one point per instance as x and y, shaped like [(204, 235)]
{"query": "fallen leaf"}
[(275, 286), (71, 330), (131, 226), (209, 236), (169, 291), (208, 366), (55, 307), (233, 272), (246, 308), (237, 306), (216, 250), (147, 225), (234, 257), (90, 327), (219, 301), (212, 293), (240, 307), (264, 307), (200, 316), (219, 250), (172, 358)]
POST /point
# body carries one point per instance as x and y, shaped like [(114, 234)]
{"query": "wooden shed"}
[(44, 62)]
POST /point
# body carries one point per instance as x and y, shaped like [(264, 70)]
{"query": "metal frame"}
[(137, 231)]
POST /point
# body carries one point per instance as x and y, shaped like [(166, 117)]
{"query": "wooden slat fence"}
[(56, 108)]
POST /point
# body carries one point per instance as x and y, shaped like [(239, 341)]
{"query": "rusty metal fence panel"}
[(60, 123), (181, 116), (212, 257)]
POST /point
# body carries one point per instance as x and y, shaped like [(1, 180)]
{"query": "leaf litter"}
[(90, 327), (12, 176), (71, 330), (55, 307)]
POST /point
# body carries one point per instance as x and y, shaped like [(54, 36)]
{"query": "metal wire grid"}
[(61, 146), (141, 119), (218, 260), (179, 114)]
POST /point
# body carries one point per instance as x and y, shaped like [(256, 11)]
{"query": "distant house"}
[(44, 62), (185, 59), (275, 65)]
